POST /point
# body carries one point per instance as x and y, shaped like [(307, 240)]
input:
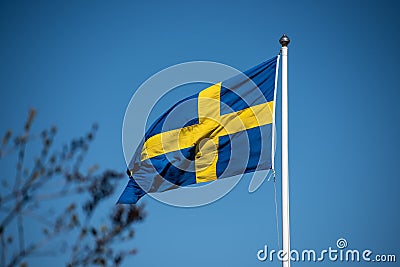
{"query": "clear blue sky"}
[(79, 62)]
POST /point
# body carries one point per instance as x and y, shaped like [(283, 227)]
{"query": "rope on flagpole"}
[(272, 174)]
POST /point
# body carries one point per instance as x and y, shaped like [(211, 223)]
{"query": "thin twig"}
[(20, 162), (57, 195), (38, 218), (3, 250), (21, 237)]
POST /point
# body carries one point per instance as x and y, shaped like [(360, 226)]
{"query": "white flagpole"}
[(284, 41)]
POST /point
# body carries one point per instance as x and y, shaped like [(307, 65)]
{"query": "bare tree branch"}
[(93, 244)]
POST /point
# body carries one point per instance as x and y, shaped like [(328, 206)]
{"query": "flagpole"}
[(284, 41)]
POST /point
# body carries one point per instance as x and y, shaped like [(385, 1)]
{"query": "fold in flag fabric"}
[(227, 130)]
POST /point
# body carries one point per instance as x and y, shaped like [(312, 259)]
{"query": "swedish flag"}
[(231, 134)]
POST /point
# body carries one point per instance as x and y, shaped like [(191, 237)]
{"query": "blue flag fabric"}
[(231, 134)]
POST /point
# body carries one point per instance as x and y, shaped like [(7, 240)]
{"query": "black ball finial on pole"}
[(284, 40)]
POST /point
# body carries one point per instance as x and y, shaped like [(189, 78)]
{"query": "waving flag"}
[(231, 134)]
